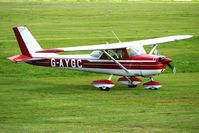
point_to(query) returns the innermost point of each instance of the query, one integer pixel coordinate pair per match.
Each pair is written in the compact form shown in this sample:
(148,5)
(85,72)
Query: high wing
(118,45)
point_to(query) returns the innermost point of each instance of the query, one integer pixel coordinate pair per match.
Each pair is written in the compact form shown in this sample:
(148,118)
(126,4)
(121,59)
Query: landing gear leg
(110,77)
(152,88)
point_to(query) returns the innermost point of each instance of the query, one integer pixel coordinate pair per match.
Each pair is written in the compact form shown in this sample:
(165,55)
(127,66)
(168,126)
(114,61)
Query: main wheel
(105,88)
(132,86)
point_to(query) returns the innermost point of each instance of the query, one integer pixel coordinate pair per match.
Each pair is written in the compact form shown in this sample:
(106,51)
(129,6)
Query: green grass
(61,104)
(37,99)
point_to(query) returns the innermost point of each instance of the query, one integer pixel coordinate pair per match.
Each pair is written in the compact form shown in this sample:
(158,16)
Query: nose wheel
(152,85)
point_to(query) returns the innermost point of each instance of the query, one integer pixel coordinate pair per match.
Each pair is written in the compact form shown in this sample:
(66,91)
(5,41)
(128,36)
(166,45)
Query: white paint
(31,43)
(132,72)
(53,63)
(152,86)
(103,85)
(130,83)
(137,44)
(97,60)
(61,63)
(98,64)
(73,64)
(79,65)
(67,61)
(29,40)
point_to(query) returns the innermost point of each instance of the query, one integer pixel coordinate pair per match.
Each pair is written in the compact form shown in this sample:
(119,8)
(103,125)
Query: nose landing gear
(152,85)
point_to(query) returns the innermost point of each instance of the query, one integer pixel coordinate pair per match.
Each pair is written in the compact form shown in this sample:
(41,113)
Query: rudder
(27,43)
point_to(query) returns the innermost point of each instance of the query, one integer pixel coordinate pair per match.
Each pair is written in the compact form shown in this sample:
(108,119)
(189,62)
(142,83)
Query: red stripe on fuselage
(130,65)
(78,63)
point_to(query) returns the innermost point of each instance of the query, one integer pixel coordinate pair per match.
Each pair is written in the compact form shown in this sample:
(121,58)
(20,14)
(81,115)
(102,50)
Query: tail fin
(27,43)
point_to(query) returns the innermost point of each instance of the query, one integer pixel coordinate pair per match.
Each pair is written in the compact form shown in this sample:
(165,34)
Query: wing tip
(180,37)
(188,36)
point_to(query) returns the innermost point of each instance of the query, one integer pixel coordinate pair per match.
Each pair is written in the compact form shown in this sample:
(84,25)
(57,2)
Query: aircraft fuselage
(136,67)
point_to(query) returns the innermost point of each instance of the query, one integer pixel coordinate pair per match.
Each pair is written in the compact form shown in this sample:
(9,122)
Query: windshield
(133,51)
(96,53)
(117,53)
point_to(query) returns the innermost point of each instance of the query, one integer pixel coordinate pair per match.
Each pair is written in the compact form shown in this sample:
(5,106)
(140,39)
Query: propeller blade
(171,67)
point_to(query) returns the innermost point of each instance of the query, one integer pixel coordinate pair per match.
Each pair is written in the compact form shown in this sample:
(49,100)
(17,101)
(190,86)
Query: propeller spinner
(167,61)
(163,59)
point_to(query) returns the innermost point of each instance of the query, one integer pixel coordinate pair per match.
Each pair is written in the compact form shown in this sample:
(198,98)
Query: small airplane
(126,59)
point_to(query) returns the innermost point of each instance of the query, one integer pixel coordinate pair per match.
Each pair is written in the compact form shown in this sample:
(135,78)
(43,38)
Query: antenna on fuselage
(116,36)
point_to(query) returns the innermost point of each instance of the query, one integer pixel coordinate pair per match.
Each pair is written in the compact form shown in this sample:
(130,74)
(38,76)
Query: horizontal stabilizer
(18,58)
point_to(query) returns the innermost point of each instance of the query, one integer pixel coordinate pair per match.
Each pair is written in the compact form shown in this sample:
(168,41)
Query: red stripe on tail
(22,45)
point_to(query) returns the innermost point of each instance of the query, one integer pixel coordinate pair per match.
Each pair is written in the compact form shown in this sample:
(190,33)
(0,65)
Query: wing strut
(116,36)
(119,64)
(153,49)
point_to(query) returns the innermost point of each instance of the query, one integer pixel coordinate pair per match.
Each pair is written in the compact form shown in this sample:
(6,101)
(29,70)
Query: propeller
(167,61)
(163,59)
(172,67)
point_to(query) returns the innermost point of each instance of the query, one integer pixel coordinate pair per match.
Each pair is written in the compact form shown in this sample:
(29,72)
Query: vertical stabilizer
(27,43)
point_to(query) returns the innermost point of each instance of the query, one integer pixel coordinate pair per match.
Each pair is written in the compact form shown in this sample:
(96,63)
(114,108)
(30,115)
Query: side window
(132,52)
(120,53)
(96,53)
(116,54)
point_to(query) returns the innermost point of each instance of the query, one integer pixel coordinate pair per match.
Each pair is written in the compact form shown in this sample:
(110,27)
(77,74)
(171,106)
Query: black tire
(132,86)
(105,89)
(153,88)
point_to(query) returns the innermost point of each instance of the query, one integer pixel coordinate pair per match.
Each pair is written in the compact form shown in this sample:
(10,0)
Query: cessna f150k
(126,59)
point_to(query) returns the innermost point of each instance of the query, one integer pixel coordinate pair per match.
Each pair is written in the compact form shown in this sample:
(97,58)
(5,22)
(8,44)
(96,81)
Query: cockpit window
(116,53)
(132,51)
(96,53)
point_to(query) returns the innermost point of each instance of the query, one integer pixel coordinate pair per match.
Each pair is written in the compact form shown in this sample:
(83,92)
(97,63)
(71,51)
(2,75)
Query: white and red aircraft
(126,59)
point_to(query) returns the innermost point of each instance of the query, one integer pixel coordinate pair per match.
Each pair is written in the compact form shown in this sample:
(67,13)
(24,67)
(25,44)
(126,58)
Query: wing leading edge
(118,45)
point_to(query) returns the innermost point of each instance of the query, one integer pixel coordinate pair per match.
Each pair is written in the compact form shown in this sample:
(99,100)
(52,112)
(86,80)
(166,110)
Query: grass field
(37,99)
